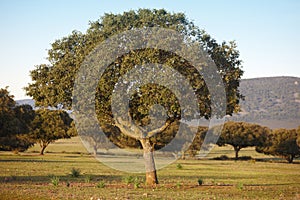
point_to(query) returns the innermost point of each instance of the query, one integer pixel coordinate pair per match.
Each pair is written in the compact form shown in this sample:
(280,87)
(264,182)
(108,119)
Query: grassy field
(31,176)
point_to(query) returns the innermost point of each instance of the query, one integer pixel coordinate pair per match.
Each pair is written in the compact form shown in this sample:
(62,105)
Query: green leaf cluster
(15,123)
(282,142)
(50,125)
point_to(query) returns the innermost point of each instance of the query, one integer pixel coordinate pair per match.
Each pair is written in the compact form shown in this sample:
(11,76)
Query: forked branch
(158,130)
(128,128)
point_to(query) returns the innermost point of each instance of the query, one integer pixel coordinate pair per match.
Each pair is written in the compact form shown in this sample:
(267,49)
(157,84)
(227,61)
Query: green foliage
(72,131)
(281,142)
(179,166)
(237,134)
(101,184)
(75,172)
(200,181)
(93,138)
(242,134)
(55,180)
(178,185)
(53,83)
(50,125)
(88,178)
(222,157)
(136,181)
(197,141)
(239,186)
(128,179)
(15,123)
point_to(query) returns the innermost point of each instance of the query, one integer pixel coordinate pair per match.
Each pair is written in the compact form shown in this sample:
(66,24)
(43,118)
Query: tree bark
(43,145)
(290,158)
(130,129)
(43,149)
(151,176)
(237,149)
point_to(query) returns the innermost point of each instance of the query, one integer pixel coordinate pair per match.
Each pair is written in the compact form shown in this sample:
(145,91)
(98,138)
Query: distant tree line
(279,142)
(21,126)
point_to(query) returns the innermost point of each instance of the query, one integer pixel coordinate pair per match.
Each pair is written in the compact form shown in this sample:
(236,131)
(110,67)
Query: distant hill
(26,101)
(272,102)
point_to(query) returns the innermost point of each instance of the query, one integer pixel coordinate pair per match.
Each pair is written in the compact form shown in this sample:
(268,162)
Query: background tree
(53,83)
(72,131)
(93,139)
(50,125)
(14,123)
(195,147)
(281,142)
(241,135)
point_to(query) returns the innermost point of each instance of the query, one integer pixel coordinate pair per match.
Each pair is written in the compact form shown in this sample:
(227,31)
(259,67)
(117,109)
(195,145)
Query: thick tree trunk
(151,176)
(237,149)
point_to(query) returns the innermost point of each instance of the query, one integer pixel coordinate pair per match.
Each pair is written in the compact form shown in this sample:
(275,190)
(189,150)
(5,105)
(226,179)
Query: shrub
(136,183)
(200,181)
(100,184)
(245,158)
(128,179)
(240,186)
(88,178)
(133,180)
(222,157)
(75,172)
(55,180)
(179,166)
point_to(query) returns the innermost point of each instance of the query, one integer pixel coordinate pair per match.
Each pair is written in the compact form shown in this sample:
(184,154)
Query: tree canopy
(241,135)
(281,142)
(50,125)
(53,83)
(14,123)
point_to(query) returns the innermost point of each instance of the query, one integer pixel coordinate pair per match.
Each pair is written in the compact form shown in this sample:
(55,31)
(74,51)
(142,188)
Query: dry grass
(28,176)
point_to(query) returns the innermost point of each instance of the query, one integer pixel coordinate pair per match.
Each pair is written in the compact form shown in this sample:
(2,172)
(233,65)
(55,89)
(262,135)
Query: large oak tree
(53,83)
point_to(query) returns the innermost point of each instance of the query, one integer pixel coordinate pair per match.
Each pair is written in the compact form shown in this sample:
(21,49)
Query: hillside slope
(272,101)
(26,101)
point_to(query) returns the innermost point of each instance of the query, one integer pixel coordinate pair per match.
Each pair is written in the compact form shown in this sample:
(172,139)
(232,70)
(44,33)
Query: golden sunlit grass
(29,176)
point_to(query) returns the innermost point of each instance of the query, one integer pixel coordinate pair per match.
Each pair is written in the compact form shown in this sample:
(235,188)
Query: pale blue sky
(267,31)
